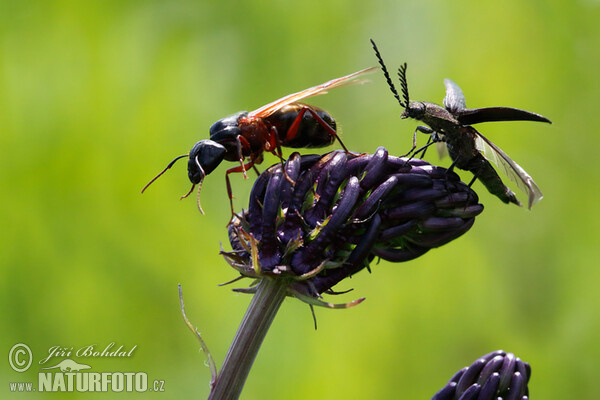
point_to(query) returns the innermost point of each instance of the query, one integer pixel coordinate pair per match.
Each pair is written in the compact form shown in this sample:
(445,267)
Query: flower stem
(265,303)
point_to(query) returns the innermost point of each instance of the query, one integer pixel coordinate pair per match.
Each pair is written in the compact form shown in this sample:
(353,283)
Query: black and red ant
(245,136)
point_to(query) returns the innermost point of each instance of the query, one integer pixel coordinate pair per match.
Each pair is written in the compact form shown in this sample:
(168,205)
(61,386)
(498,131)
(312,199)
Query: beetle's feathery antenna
(402,76)
(163,171)
(389,80)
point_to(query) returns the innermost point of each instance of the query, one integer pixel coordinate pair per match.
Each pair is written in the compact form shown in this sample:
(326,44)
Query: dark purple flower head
(326,217)
(495,376)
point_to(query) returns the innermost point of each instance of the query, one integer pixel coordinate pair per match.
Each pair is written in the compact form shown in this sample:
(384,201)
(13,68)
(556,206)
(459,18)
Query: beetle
(244,136)
(467,147)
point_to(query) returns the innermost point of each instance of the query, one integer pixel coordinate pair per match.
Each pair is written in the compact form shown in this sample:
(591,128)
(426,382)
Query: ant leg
(293,130)
(257,160)
(242,142)
(277,144)
(279,153)
(241,168)
(188,193)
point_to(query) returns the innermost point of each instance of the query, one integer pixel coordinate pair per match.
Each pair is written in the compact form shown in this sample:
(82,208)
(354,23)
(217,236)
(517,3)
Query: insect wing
(271,108)
(491,114)
(442,149)
(513,170)
(455,99)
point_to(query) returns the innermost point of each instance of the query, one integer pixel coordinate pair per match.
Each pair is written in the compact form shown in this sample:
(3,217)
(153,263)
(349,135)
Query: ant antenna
(402,76)
(389,80)
(163,171)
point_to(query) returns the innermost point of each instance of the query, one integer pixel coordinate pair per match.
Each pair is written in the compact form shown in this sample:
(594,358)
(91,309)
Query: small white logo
(20,357)
(71,376)
(68,365)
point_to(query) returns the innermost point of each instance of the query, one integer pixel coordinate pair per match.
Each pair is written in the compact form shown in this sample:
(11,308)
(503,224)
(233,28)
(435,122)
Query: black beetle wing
(510,168)
(489,114)
(455,99)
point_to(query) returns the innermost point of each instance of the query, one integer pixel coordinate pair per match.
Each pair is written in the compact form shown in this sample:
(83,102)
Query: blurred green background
(96,97)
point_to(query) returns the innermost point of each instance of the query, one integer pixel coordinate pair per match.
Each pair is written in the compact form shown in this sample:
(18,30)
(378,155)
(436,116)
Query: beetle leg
(422,149)
(422,129)
(451,167)
(293,130)
(449,171)
(475,176)
(432,139)
(414,144)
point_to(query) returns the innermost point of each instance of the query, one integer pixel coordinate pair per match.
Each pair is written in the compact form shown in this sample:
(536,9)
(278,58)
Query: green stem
(265,303)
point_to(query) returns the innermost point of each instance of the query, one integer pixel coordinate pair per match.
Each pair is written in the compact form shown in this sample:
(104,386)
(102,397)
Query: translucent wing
(442,149)
(509,167)
(455,99)
(270,108)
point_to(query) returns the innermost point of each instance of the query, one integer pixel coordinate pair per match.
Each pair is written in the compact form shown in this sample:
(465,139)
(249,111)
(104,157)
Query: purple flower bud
(495,376)
(319,219)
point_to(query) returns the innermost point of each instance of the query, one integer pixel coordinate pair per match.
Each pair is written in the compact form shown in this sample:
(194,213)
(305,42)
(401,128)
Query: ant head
(205,156)
(402,76)
(227,128)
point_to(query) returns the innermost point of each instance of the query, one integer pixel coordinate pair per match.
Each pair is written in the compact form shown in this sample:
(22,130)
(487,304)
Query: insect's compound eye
(414,110)
(205,156)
